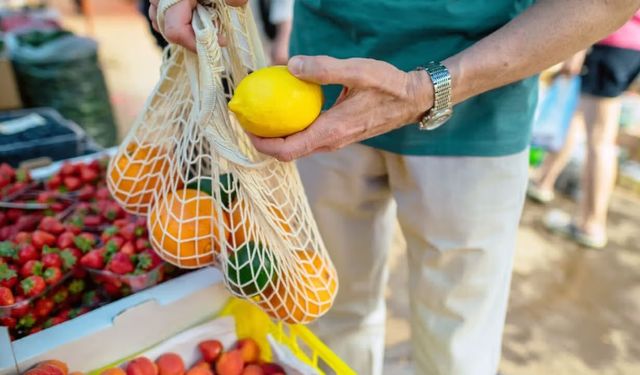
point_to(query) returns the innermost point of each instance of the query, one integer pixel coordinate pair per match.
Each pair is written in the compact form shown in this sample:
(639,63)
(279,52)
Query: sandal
(560,222)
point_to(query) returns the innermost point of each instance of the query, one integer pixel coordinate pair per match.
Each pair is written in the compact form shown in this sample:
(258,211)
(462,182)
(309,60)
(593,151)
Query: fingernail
(295,65)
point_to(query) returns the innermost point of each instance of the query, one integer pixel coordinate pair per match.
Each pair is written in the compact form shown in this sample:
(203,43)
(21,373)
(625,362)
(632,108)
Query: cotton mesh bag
(209,196)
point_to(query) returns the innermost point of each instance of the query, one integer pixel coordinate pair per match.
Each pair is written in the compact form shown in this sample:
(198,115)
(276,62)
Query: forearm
(545,34)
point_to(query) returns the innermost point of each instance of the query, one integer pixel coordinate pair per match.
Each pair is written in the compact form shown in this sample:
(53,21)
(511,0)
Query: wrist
(421,87)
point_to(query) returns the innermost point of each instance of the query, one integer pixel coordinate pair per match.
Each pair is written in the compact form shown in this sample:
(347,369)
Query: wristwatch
(441,111)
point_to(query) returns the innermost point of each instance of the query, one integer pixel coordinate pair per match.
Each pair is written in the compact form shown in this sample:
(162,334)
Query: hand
(376,98)
(177,22)
(573,65)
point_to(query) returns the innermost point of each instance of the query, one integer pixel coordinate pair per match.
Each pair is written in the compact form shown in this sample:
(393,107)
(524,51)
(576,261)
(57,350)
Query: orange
(135,175)
(59,364)
(240,227)
(307,299)
(113,371)
(185,228)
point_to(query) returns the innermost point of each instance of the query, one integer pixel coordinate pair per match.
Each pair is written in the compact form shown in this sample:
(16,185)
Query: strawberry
(74,313)
(27,321)
(93,259)
(145,261)
(32,285)
(77,286)
(52,275)
(8,250)
(90,298)
(67,169)
(7,171)
(86,193)
(103,194)
(121,222)
(6,296)
(73,227)
(140,221)
(128,248)
(41,238)
(51,225)
(27,223)
(84,242)
(26,253)
(23,237)
(3,219)
(52,259)
(111,289)
(61,295)
(72,183)
(120,264)
(65,240)
(35,330)
(128,232)
(47,197)
(116,241)
(13,214)
(141,244)
(64,315)
(32,267)
(108,233)
(88,175)
(54,182)
(8,276)
(92,220)
(8,322)
(70,258)
(21,307)
(43,308)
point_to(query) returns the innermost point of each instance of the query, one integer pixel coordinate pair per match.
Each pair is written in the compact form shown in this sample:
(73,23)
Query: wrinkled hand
(177,22)
(376,98)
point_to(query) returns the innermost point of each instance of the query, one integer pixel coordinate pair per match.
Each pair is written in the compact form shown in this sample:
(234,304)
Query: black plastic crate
(57,139)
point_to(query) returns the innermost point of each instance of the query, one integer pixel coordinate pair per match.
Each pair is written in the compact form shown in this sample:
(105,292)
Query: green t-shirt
(410,33)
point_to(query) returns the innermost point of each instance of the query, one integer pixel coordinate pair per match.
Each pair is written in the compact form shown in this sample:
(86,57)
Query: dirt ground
(572,311)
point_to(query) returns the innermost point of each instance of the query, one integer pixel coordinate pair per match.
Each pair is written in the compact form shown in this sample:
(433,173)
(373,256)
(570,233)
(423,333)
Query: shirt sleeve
(281,11)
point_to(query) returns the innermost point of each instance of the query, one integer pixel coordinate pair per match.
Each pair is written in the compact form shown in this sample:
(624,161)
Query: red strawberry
(32,286)
(51,225)
(13,214)
(121,264)
(41,238)
(92,220)
(64,314)
(87,192)
(121,222)
(8,322)
(111,289)
(141,244)
(32,267)
(43,308)
(8,276)
(65,240)
(77,286)
(35,330)
(103,194)
(52,275)
(3,218)
(8,250)
(52,260)
(54,182)
(61,295)
(70,258)
(68,169)
(84,242)
(73,227)
(93,259)
(23,237)
(88,175)
(21,308)
(27,321)
(46,197)
(72,183)
(128,232)
(128,248)
(6,297)
(108,233)
(26,253)
(52,322)
(27,223)
(147,260)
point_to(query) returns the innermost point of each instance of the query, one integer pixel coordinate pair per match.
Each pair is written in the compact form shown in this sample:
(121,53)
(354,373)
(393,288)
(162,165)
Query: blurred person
(610,68)
(457,188)
(275,16)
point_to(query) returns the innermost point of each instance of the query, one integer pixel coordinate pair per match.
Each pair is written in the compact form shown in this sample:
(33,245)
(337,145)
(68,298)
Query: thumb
(327,70)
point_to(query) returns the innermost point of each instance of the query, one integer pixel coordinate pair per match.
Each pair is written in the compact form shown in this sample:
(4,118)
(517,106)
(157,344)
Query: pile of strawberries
(12,181)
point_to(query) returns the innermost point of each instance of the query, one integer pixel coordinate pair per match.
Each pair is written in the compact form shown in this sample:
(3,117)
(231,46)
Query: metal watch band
(441,110)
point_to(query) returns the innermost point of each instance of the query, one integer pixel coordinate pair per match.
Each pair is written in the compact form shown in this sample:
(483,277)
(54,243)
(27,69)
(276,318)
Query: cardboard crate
(121,328)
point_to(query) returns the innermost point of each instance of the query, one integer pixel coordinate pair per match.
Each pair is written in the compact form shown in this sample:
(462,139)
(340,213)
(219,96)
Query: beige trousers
(459,216)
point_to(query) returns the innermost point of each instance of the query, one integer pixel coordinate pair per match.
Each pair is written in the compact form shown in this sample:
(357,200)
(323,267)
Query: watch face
(438,118)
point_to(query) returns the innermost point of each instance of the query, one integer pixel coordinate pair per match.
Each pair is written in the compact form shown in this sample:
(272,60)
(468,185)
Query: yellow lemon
(271,102)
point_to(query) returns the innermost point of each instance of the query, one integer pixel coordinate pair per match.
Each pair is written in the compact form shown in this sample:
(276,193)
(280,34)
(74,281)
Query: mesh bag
(209,196)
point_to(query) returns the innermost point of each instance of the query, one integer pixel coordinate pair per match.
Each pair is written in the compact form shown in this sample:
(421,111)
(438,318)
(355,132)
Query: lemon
(271,102)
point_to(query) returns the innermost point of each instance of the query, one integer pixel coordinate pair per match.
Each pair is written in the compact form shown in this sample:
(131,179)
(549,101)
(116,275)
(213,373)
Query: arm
(281,15)
(381,98)
(548,32)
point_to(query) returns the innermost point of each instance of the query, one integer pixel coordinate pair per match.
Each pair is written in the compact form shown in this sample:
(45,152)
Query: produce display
(210,197)
(243,358)
(67,247)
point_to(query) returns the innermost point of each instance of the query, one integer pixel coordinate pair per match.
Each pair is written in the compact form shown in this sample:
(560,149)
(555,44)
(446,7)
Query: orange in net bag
(209,196)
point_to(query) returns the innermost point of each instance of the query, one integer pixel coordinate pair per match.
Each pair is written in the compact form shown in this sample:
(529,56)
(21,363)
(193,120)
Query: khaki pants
(459,216)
